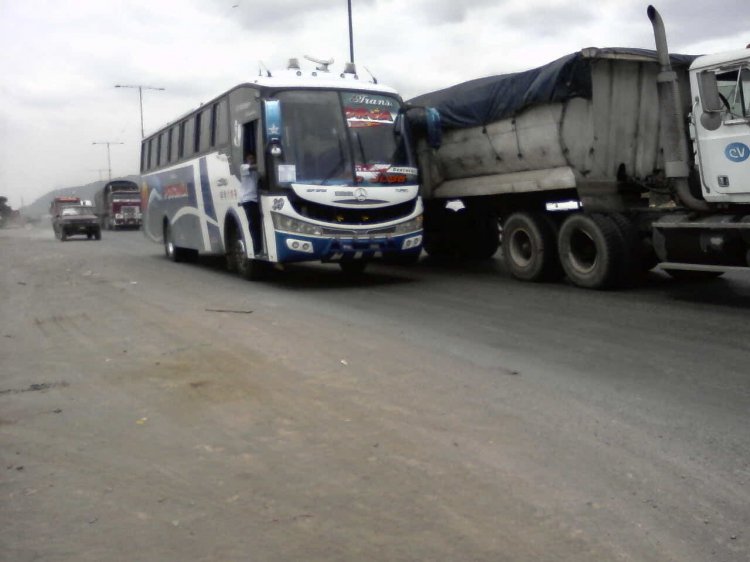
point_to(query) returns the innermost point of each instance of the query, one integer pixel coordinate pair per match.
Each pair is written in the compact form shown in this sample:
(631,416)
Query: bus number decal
(278,204)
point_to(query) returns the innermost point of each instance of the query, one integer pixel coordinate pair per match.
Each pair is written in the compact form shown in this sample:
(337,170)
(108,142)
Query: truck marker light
(563,206)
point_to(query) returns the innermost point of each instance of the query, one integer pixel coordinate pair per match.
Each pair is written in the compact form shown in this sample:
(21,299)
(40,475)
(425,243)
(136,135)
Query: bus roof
(290,79)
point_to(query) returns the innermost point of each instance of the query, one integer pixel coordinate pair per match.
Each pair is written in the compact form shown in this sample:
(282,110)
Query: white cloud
(61,59)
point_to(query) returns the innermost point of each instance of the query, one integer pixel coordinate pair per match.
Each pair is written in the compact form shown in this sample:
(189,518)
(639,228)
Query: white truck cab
(720,85)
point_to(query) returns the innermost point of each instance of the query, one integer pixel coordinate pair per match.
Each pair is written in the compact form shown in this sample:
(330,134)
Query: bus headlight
(289,224)
(409,226)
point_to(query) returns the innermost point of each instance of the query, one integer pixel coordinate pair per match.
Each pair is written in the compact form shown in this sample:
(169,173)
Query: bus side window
(174,135)
(189,138)
(205,130)
(143,157)
(221,124)
(181,140)
(151,154)
(197,133)
(162,161)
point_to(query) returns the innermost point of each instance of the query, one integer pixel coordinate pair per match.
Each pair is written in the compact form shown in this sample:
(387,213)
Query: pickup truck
(76,220)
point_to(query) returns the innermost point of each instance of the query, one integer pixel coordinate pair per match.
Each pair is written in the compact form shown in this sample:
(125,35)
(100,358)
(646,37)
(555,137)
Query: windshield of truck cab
(72,211)
(734,89)
(344,138)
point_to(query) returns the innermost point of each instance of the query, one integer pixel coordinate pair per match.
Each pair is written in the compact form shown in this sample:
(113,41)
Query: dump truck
(118,205)
(597,166)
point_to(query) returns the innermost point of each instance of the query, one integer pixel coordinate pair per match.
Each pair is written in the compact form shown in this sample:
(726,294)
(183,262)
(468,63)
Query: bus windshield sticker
(369,110)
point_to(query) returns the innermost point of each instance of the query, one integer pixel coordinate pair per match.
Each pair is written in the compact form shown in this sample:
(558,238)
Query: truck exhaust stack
(676,156)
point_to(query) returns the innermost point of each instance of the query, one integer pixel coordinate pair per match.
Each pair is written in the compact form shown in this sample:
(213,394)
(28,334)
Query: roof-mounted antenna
(263,66)
(324,64)
(374,80)
(350,68)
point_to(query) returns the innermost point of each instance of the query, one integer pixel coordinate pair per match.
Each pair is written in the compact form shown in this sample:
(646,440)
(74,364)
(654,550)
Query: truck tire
(98,234)
(530,248)
(590,250)
(631,265)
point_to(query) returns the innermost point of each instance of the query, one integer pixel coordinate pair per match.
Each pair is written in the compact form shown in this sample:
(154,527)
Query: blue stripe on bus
(214,235)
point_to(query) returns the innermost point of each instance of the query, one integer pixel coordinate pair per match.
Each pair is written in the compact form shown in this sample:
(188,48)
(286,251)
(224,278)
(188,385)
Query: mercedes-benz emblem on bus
(360,194)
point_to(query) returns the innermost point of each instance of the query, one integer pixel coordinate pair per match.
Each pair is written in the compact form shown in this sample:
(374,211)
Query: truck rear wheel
(631,265)
(530,247)
(590,250)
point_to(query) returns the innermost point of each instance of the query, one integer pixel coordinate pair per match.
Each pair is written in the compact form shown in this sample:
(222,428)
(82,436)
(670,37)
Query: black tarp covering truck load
(484,100)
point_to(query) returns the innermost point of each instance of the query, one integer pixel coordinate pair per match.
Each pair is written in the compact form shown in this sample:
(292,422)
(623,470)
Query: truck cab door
(722,132)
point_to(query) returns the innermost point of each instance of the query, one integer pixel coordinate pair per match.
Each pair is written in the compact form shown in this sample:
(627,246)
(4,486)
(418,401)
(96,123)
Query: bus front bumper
(292,247)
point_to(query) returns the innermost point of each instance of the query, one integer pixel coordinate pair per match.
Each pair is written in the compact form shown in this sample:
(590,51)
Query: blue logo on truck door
(737,152)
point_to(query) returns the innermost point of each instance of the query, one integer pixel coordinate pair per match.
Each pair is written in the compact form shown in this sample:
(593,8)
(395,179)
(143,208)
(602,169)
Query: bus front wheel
(237,260)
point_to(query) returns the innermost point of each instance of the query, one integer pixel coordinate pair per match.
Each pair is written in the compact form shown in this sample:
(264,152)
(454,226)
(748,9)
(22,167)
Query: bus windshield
(344,138)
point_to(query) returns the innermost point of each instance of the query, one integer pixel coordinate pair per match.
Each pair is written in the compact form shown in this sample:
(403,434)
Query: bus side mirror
(426,122)
(710,100)
(272,114)
(398,127)
(434,130)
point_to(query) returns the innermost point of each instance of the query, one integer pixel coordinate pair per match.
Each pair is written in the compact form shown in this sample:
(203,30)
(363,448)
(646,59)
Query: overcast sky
(60,60)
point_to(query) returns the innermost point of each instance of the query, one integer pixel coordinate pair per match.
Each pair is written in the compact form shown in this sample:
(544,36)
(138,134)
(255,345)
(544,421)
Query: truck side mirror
(709,92)
(710,100)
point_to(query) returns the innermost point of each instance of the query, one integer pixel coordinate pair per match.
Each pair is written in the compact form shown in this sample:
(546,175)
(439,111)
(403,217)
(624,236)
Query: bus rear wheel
(174,253)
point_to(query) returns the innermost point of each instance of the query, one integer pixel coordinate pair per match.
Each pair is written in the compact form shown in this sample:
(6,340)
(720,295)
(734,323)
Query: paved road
(159,411)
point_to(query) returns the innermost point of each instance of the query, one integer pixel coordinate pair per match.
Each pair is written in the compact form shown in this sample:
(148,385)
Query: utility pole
(351,33)
(140,89)
(109,160)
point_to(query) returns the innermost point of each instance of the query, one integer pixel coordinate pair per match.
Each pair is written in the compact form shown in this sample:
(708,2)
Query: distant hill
(40,207)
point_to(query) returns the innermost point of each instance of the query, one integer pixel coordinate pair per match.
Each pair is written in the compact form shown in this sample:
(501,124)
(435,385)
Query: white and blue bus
(339,180)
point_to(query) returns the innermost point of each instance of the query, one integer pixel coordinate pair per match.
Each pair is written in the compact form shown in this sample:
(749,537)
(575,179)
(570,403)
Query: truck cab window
(734,89)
